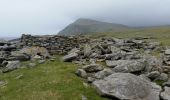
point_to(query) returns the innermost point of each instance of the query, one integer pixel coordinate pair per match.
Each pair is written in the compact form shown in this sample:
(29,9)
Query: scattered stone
(167,52)
(83,97)
(126,86)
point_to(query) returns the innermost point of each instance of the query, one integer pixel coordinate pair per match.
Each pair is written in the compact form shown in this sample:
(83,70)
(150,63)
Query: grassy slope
(49,81)
(161,34)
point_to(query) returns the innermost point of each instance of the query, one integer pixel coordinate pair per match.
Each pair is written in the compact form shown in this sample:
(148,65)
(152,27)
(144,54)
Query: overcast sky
(50,16)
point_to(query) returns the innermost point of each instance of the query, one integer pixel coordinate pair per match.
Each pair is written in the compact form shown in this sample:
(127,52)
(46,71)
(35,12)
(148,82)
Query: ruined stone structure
(53,43)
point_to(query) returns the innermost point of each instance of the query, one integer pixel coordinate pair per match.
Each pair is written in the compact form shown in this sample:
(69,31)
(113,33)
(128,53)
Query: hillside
(84,26)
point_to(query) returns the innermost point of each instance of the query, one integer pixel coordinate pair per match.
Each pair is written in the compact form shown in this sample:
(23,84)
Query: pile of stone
(53,43)
(11,55)
(124,69)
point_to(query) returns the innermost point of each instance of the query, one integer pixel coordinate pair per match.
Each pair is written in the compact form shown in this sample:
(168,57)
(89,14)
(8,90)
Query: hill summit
(84,26)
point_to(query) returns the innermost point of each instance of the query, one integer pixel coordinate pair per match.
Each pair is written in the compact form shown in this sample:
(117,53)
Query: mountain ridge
(84,26)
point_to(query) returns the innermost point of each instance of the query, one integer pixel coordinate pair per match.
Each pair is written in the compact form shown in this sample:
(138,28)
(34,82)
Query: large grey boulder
(70,57)
(165,95)
(10,66)
(93,68)
(126,86)
(16,55)
(128,66)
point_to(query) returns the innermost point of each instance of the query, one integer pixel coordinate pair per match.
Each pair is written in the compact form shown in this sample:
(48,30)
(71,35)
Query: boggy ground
(54,80)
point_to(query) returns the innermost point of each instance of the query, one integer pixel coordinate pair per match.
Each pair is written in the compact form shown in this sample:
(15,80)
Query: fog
(50,16)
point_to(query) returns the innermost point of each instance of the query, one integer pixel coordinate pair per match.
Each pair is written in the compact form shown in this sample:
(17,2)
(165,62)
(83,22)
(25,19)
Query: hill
(84,26)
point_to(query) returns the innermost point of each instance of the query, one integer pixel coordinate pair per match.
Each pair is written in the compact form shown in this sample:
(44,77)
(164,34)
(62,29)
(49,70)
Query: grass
(161,34)
(50,81)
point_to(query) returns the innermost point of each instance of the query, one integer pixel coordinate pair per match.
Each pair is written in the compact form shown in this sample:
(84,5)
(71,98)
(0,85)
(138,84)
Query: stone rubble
(123,69)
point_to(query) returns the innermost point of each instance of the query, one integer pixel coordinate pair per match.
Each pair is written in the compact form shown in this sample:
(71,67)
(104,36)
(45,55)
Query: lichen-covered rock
(126,86)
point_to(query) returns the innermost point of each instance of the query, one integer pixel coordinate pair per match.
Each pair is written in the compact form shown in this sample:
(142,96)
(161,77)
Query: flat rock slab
(70,57)
(126,86)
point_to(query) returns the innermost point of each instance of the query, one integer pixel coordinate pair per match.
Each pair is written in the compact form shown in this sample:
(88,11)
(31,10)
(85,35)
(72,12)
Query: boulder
(130,66)
(35,50)
(70,57)
(16,55)
(92,68)
(165,95)
(10,66)
(126,86)
(112,64)
(81,73)
(153,75)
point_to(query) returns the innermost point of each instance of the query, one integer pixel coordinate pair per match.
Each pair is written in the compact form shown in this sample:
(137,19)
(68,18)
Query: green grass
(50,81)
(161,34)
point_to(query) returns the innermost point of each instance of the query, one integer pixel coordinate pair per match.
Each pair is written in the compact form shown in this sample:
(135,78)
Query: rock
(126,86)
(90,79)
(153,75)
(162,77)
(81,73)
(166,83)
(93,68)
(41,61)
(104,73)
(167,52)
(152,63)
(36,57)
(130,66)
(16,55)
(33,51)
(113,64)
(74,50)
(70,57)
(87,50)
(11,65)
(165,95)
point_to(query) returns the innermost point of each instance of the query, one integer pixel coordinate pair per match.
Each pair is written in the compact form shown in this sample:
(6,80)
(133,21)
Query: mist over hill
(84,26)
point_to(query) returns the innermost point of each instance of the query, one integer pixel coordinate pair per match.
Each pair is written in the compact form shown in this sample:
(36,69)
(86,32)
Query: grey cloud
(50,16)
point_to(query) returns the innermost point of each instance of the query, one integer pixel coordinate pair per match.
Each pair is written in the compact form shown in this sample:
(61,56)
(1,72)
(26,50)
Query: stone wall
(55,44)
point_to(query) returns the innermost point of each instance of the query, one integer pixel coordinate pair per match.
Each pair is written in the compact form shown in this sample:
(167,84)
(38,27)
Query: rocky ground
(119,69)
